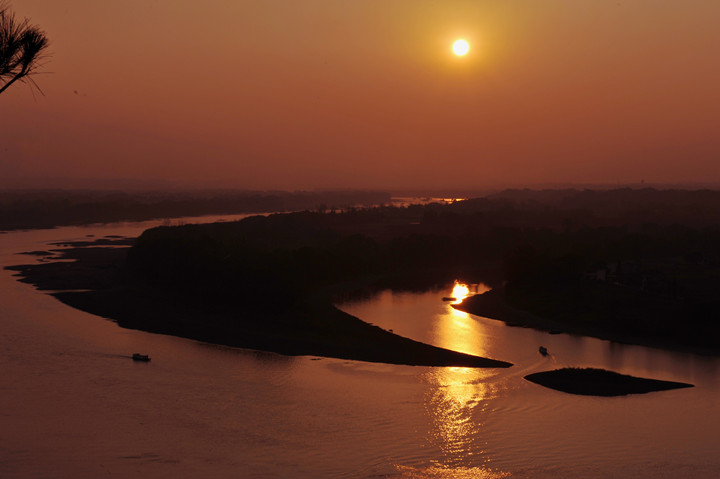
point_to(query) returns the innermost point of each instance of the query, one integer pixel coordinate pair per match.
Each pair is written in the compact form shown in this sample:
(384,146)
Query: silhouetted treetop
(22,46)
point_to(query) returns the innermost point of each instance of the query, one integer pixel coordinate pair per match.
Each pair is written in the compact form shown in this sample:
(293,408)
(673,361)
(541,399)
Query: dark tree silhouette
(22,46)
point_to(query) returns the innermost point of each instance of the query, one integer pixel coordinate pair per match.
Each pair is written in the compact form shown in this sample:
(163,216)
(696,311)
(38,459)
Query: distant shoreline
(40,209)
(318,329)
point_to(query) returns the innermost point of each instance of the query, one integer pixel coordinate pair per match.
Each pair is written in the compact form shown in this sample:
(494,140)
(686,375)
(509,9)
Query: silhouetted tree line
(662,277)
(48,208)
(626,206)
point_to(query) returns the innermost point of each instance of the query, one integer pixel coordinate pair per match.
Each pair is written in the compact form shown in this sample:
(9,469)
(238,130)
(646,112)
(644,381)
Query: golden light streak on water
(450,472)
(455,407)
(455,404)
(456,330)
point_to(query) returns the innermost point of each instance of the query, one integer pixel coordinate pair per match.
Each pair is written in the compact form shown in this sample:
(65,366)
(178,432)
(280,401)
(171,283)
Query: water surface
(73,403)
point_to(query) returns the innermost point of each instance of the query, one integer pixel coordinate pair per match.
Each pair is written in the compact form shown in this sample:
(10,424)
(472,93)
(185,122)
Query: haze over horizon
(333,94)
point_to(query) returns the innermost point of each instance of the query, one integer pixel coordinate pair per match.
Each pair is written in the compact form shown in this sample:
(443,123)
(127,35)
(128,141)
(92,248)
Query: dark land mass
(599,382)
(31,209)
(98,284)
(634,266)
(639,266)
(654,323)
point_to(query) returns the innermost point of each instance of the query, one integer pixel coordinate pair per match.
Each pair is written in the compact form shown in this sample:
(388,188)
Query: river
(74,405)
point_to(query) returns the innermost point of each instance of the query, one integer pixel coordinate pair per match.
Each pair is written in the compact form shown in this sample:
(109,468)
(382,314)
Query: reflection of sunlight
(459,314)
(459,400)
(460,292)
(455,329)
(456,407)
(443,472)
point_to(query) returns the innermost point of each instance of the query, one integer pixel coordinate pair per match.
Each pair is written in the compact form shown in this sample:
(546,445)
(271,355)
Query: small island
(600,382)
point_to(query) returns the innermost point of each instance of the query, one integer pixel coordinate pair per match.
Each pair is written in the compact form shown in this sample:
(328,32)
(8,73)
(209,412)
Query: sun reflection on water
(459,400)
(450,472)
(460,291)
(456,330)
(456,408)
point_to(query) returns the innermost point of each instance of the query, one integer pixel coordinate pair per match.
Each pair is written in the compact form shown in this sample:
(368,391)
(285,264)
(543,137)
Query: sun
(461,47)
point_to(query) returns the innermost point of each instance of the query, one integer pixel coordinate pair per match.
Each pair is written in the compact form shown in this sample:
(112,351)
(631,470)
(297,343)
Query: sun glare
(460,47)
(460,292)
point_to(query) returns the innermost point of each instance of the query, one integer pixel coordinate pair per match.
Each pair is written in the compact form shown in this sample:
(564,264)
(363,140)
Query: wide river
(74,405)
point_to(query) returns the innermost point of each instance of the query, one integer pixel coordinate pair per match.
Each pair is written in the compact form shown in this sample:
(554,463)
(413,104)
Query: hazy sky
(297,94)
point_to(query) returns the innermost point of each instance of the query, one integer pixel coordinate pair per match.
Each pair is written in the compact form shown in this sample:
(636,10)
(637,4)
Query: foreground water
(73,404)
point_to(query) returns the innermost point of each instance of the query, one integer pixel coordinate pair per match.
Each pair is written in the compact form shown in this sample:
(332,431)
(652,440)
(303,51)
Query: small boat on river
(141,357)
(449,298)
(543,350)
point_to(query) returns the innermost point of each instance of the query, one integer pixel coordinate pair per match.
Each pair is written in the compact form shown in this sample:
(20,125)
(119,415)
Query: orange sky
(363,93)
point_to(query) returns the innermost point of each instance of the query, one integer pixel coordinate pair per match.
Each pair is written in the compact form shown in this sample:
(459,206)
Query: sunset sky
(291,94)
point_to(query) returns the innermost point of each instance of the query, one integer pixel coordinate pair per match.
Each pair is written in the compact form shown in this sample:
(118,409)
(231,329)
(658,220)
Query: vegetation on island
(600,382)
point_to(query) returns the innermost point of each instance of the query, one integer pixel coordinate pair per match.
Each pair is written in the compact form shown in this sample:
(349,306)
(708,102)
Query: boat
(543,350)
(140,357)
(449,298)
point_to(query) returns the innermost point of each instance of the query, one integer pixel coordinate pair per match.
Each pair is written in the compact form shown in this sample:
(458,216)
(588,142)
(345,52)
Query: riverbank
(97,282)
(494,305)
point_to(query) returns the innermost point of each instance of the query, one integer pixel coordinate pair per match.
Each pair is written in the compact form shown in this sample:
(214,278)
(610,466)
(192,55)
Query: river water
(74,405)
